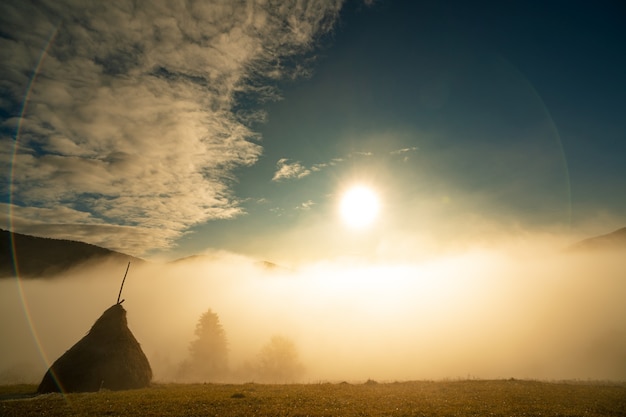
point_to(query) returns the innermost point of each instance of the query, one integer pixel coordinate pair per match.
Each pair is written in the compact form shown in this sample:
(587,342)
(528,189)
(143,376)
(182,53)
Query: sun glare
(359,207)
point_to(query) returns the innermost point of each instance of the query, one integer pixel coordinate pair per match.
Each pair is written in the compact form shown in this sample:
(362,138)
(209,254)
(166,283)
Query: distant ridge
(611,241)
(43,257)
(204,257)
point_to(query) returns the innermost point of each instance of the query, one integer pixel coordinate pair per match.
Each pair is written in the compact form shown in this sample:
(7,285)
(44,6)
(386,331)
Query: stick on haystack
(122,286)
(108,357)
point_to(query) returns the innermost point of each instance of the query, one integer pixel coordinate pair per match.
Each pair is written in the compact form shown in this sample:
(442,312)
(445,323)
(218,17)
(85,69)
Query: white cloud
(296,170)
(306,205)
(278,211)
(130,121)
(323,165)
(404,150)
(67,223)
(289,170)
(361,153)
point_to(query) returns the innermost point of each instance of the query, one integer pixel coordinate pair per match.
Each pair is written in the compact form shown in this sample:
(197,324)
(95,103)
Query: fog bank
(482,313)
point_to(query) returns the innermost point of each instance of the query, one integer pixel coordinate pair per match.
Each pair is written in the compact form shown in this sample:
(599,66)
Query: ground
(421,398)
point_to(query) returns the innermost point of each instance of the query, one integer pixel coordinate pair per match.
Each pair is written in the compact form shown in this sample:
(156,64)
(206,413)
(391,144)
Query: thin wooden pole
(122,286)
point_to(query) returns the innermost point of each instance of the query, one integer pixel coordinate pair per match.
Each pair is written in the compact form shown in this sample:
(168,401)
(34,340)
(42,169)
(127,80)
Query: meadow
(420,398)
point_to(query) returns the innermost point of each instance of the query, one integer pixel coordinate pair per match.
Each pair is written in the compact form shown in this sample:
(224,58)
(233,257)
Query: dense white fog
(479,313)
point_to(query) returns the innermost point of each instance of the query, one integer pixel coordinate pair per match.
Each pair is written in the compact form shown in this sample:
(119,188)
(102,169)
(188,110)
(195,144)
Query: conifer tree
(208,353)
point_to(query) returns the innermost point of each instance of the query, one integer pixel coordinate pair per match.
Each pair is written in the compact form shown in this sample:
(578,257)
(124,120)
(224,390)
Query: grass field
(443,398)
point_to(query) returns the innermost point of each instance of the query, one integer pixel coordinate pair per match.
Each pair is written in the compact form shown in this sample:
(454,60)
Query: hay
(108,357)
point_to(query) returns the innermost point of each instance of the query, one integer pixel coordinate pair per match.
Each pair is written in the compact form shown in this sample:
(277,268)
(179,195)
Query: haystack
(108,357)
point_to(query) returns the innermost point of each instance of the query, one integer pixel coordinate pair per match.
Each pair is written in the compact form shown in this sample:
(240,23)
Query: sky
(184,127)
(491,132)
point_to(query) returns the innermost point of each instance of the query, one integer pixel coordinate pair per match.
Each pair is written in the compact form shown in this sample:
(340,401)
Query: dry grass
(445,398)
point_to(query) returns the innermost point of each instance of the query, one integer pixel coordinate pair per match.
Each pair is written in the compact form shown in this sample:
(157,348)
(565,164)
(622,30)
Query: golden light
(359,207)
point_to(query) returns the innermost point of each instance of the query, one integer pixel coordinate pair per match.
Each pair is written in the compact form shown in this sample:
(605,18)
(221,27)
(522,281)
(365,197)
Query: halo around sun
(359,207)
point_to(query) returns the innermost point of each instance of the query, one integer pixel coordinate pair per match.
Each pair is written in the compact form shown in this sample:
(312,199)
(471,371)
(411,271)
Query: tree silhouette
(278,361)
(208,353)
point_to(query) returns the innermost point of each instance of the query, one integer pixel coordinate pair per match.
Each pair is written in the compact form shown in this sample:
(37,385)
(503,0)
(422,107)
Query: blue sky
(236,126)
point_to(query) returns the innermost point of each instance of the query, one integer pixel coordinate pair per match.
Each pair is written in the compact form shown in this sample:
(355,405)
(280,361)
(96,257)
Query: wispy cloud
(306,205)
(289,170)
(404,152)
(285,169)
(333,162)
(278,211)
(130,121)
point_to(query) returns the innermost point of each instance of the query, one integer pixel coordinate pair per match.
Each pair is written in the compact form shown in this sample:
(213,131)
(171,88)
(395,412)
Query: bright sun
(359,207)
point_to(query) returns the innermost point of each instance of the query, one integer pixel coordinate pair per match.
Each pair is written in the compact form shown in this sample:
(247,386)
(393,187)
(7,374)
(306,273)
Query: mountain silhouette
(611,241)
(267,265)
(43,257)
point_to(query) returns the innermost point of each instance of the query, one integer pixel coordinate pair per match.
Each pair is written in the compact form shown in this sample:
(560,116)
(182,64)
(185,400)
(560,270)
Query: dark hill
(208,258)
(611,241)
(41,257)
